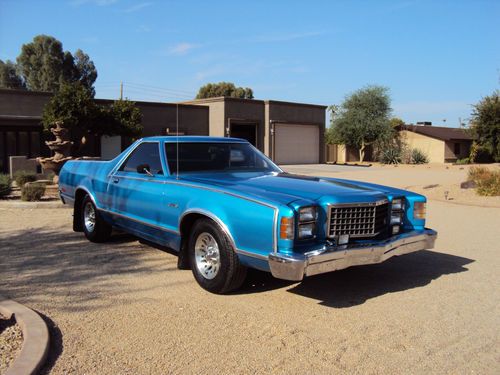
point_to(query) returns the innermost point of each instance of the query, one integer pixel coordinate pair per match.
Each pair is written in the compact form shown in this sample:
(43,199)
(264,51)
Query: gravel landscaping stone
(11,341)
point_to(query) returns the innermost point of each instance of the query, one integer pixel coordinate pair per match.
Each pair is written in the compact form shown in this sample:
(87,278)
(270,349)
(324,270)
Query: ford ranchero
(223,206)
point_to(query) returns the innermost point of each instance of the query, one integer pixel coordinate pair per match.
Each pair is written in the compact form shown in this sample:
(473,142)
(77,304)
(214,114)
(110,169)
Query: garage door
(296,144)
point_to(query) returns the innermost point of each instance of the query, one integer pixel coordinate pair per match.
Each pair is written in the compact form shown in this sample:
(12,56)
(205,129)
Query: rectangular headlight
(395,218)
(307,214)
(419,210)
(306,230)
(397,204)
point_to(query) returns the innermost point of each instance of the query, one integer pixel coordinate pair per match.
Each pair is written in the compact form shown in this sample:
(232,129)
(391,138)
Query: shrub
(479,154)
(21,177)
(390,156)
(5,185)
(487,181)
(418,157)
(463,161)
(32,192)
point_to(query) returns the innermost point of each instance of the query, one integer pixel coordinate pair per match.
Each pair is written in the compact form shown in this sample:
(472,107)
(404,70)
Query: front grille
(358,220)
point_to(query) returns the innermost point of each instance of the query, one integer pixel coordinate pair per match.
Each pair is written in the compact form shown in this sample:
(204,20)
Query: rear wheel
(94,226)
(214,263)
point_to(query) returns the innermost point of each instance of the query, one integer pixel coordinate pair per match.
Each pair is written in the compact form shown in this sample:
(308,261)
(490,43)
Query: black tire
(100,231)
(230,274)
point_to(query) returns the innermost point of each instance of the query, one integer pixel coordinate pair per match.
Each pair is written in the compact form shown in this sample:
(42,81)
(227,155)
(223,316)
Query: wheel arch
(80,194)
(186,222)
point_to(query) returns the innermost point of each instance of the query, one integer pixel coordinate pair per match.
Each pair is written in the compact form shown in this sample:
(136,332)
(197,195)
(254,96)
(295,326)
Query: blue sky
(437,57)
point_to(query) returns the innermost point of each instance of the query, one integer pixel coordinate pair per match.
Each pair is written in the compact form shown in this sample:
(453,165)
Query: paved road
(124,308)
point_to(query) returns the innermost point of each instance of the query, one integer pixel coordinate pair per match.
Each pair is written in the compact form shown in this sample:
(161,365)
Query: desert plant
(463,161)
(390,156)
(5,185)
(21,177)
(418,157)
(32,192)
(487,181)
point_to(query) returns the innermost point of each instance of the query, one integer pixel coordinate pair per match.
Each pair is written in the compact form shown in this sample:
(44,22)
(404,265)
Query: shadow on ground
(62,265)
(353,286)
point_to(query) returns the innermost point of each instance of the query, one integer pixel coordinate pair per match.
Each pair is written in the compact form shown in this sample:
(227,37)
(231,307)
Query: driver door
(136,193)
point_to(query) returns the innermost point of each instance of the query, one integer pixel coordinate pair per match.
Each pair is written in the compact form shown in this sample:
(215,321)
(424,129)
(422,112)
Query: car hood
(286,188)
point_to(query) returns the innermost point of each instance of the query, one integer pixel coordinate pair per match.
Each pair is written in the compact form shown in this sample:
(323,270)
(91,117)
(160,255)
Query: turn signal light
(286,228)
(419,210)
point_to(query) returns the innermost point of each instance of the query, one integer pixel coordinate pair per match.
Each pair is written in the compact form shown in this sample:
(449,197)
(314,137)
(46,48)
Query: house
(290,133)
(439,143)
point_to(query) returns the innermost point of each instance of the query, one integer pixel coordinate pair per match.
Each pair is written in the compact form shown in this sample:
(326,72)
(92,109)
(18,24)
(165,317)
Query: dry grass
(487,181)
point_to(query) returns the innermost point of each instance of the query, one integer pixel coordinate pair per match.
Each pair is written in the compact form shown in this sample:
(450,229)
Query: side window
(146,155)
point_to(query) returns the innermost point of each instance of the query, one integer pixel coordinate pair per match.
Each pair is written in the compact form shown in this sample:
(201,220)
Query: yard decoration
(61,147)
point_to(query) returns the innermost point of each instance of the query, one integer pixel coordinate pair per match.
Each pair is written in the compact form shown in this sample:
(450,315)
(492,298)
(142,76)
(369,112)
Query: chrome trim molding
(333,258)
(114,213)
(210,215)
(252,255)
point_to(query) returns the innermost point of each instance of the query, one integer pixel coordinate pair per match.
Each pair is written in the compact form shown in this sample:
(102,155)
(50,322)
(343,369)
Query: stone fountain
(61,148)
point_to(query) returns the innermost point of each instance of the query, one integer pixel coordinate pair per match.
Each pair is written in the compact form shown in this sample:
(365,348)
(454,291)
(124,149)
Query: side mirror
(144,169)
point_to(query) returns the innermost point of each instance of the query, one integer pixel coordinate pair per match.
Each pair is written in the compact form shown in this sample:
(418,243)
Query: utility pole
(121,90)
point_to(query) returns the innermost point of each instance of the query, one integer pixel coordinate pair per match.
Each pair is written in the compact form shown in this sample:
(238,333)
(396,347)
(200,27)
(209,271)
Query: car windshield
(214,157)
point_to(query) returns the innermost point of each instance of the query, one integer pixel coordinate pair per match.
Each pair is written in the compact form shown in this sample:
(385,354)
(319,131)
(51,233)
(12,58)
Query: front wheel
(94,226)
(214,263)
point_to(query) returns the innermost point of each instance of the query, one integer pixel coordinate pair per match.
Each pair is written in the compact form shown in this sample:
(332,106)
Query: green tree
(44,65)
(74,105)
(363,118)
(227,89)
(396,121)
(485,124)
(8,76)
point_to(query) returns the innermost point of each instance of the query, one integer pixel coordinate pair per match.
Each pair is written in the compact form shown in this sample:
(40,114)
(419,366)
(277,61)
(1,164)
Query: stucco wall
(433,148)
(22,103)
(295,113)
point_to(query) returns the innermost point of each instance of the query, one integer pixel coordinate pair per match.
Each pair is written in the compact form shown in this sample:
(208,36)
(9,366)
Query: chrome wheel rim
(89,217)
(207,255)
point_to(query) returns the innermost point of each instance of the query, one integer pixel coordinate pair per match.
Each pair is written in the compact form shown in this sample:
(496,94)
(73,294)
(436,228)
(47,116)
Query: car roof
(194,139)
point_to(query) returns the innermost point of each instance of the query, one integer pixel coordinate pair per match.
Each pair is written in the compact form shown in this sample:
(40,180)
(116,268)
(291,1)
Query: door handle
(116,180)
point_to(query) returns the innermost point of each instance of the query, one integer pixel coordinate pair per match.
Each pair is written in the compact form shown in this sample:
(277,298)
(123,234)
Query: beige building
(290,133)
(440,144)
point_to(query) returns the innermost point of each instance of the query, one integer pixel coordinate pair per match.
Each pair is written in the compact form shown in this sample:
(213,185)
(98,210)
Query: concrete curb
(17,204)
(35,338)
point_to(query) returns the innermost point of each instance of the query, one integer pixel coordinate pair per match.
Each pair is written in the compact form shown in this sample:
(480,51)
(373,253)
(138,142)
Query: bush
(32,192)
(479,154)
(487,181)
(418,157)
(21,177)
(463,161)
(390,156)
(5,185)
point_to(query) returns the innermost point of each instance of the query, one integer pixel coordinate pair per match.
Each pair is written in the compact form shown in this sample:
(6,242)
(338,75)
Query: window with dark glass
(146,155)
(205,157)
(457,148)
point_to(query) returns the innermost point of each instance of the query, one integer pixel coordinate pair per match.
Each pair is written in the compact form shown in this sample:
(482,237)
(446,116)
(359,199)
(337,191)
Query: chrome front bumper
(333,258)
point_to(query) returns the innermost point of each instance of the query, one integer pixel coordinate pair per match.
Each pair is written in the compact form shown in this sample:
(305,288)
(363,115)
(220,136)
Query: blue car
(224,207)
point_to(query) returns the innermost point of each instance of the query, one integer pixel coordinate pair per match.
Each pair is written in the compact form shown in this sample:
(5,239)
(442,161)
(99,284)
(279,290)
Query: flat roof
(231,99)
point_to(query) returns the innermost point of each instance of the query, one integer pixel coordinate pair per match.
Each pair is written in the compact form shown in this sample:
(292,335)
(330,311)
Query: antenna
(177,139)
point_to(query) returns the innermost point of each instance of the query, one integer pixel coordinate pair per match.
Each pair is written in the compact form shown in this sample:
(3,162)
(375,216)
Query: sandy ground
(124,308)
(11,340)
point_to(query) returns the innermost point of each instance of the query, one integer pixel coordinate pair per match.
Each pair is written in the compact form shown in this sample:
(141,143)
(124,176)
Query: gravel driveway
(124,308)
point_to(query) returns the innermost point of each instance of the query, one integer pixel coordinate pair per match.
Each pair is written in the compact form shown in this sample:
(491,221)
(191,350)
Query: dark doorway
(245,130)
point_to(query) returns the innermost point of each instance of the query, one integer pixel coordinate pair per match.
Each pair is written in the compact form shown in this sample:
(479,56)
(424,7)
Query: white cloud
(181,49)
(136,7)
